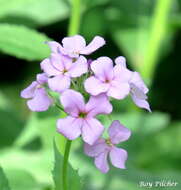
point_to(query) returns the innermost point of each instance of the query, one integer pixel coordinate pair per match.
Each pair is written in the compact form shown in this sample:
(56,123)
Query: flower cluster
(76,79)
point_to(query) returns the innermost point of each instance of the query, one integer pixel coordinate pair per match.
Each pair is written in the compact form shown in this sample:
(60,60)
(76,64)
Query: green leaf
(36,163)
(10,126)
(33,12)
(73,177)
(93,23)
(4,185)
(23,42)
(21,180)
(133,43)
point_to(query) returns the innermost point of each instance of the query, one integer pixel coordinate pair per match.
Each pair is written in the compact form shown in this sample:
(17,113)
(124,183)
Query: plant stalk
(73,29)
(157,35)
(65,164)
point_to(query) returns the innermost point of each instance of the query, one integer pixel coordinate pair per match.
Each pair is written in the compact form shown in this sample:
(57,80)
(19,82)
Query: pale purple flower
(60,69)
(138,89)
(39,99)
(104,147)
(108,79)
(81,119)
(76,45)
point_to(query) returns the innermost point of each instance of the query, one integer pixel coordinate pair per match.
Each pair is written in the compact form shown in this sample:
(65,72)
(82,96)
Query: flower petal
(118,89)
(57,62)
(118,157)
(73,102)
(94,150)
(122,73)
(69,127)
(91,130)
(95,44)
(137,81)
(121,60)
(48,68)
(42,78)
(101,162)
(73,45)
(98,105)
(40,102)
(59,83)
(141,103)
(54,46)
(118,133)
(94,86)
(103,68)
(137,92)
(79,67)
(29,91)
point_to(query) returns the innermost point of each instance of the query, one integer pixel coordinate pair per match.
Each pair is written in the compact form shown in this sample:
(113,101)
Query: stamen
(108,142)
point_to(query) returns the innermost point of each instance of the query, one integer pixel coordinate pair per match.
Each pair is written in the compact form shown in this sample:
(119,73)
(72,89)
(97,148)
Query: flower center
(108,142)
(64,71)
(74,60)
(82,114)
(107,81)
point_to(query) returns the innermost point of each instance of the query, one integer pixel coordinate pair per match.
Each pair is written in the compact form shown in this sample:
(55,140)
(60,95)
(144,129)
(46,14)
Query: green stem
(75,17)
(158,32)
(72,30)
(65,164)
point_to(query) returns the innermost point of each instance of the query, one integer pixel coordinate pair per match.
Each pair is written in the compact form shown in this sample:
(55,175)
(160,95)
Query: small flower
(107,79)
(39,99)
(60,69)
(104,147)
(75,45)
(138,89)
(81,119)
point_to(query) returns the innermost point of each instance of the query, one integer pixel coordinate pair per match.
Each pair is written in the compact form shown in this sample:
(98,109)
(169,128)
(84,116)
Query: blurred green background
(148,34)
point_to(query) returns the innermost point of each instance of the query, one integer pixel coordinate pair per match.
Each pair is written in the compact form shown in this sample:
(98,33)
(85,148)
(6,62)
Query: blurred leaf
(10,126)
(33,12)
(41,125)
(23,42)
(29,133)
(133,42)
(166,152)
(4,102)
(36,163)
(93,23)
(21,180)
(4,185)
(94,3)
(72,175)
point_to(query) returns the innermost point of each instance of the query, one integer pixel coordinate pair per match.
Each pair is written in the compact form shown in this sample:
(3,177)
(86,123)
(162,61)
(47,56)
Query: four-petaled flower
(104,147)
(76,45)
(138,89)
(81,119)
(107,79)
(39,99)
(61,69)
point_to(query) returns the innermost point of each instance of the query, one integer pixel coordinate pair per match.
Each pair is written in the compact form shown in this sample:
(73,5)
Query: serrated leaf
(22,42)
(72,175)
(4,185)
